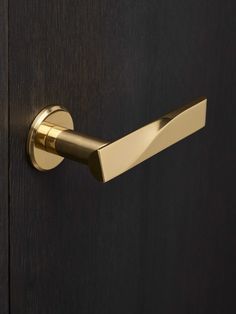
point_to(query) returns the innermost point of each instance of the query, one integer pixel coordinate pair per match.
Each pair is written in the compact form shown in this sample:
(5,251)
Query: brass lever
(51,138)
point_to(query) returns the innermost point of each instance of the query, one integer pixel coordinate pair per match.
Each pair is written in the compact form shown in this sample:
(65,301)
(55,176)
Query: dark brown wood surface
(4,300)
(161,238)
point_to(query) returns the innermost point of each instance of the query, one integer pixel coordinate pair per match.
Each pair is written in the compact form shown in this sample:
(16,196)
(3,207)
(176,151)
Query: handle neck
(67,143)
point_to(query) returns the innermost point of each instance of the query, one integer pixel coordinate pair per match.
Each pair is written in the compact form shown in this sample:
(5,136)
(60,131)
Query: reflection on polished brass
(51,138)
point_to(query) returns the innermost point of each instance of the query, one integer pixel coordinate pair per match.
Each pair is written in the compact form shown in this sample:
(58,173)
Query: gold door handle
(51,138)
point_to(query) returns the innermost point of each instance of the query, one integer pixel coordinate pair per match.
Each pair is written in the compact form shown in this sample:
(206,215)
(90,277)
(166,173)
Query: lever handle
(51,138)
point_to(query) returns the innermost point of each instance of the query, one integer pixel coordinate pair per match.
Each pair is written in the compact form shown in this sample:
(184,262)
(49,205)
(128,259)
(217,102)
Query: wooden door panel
(160,238)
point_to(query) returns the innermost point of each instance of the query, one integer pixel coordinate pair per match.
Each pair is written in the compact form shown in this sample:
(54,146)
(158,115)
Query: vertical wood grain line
(4,231)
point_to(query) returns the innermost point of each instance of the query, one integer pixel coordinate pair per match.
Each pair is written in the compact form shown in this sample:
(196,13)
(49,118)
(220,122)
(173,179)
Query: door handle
(51,138)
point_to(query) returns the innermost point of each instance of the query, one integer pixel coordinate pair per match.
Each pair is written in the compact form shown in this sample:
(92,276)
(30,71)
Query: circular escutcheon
(39,158)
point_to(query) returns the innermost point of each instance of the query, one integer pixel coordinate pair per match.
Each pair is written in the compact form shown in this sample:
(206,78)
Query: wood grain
(160,238)
(4,157)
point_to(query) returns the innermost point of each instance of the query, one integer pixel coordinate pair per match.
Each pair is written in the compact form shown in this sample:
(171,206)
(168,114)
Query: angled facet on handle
(115,158)
(52,138)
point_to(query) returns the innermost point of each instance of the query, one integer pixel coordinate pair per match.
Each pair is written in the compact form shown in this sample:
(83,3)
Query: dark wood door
(160,238)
